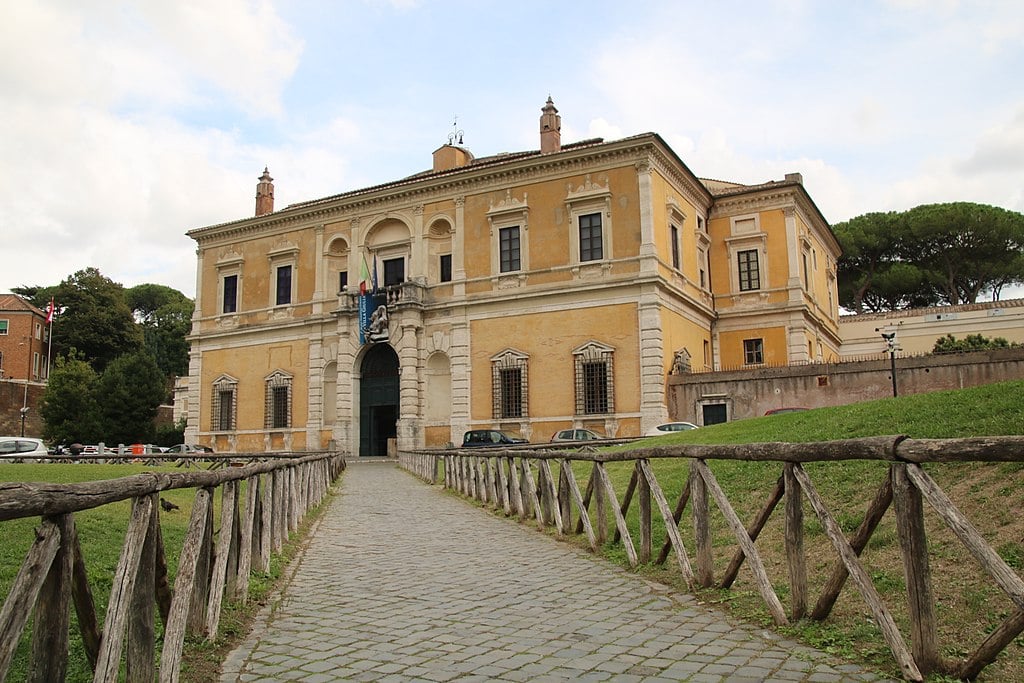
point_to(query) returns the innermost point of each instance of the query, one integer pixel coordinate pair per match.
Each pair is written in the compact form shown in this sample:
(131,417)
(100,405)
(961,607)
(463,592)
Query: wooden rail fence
(541,484)
(211,568)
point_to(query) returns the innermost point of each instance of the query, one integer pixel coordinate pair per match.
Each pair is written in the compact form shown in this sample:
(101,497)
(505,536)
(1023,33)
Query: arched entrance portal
(378,400)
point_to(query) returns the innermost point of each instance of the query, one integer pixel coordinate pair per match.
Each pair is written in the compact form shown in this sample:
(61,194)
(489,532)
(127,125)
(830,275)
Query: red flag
(49,312)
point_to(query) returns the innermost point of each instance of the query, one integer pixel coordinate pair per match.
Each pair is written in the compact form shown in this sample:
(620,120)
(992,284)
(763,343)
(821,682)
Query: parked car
(575,435)
(670,428)
(21,447)
(189,448)
(476,438)
(778,411)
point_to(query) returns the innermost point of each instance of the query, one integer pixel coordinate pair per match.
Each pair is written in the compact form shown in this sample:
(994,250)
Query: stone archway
(378,400)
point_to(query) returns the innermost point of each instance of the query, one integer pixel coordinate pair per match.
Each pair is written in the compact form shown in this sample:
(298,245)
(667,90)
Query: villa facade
(528,292)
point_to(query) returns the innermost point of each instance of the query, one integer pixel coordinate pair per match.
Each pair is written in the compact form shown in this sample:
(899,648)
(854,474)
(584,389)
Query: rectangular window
(4,324)
(595,388)
(39,331)
(284,285)
(511,393)
(508,386)
(446,267)
(394,271)
(591,246)
(224,410)
(279,405)
(35,364)
(278,402)
(750,273)
(230,294)
(674,237)
(343,281)
(753,351)
(508,241)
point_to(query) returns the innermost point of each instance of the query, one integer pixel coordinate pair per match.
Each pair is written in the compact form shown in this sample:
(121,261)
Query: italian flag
(364,276)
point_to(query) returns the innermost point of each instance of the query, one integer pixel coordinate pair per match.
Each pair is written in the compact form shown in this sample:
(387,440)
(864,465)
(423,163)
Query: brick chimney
(265,194)
(550,128)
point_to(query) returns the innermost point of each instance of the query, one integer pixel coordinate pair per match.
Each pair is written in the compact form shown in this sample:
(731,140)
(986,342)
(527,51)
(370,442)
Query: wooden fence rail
(541,484)
(278,493)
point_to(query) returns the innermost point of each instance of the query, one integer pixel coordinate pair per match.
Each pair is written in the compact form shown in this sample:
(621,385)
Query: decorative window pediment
(229,258)
(283,249)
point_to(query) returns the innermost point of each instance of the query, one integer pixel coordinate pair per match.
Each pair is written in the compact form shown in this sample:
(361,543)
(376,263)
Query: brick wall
(749,393)
(12,395)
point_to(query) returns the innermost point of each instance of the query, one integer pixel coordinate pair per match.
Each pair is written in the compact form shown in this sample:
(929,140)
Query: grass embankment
(101,534)
(968,605)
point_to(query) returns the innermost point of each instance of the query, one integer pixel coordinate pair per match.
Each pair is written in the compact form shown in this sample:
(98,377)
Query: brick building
(24,336)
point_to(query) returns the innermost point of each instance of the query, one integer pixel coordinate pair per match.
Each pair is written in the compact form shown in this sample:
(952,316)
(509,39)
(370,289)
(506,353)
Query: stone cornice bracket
(460,201)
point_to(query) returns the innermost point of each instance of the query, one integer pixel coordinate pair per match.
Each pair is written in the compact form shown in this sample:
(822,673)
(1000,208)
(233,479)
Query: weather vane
(456,134)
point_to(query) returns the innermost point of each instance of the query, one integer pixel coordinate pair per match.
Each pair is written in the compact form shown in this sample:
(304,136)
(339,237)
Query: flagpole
(49,346)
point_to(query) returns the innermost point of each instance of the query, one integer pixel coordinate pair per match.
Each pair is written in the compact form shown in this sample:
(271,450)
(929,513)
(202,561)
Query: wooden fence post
(794,533)
(701,528)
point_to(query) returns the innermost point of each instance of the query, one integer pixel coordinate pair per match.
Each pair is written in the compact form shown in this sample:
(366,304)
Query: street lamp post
(890,341)
(24,414)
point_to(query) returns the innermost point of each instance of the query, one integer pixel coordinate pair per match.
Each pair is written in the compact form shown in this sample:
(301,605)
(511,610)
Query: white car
(12,447)
(670,428)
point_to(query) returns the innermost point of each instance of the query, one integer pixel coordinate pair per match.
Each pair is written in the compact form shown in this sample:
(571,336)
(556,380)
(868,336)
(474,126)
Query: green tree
(94,318)
(128,393)
(930,255)
(68,407)
(965,248)
(37,295)
(165,315)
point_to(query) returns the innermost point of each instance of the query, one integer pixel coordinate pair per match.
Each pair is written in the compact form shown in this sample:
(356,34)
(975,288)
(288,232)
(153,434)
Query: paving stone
(400,581)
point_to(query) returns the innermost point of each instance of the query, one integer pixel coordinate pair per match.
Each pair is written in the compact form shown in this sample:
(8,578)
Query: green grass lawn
(101,534)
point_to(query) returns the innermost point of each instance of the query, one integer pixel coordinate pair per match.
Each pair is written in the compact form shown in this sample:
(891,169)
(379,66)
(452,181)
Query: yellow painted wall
(549,226)
(774,346)
(548,338)
(251,366)
(679,332)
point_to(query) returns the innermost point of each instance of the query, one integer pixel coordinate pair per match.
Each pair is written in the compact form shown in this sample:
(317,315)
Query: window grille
(591,248)
(595,394)
(224,404)
(509,386)
(749,270)
(278,408)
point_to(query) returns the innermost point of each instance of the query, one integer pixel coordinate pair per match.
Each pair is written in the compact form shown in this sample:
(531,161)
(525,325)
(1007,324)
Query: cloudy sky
(125,124)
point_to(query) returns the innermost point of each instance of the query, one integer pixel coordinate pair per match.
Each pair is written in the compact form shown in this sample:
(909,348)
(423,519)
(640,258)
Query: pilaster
(653,409)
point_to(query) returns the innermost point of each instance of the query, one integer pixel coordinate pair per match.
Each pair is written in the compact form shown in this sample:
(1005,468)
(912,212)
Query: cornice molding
(414,191)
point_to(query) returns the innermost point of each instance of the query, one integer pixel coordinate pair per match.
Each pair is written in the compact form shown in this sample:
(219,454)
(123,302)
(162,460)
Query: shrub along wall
(749,393)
